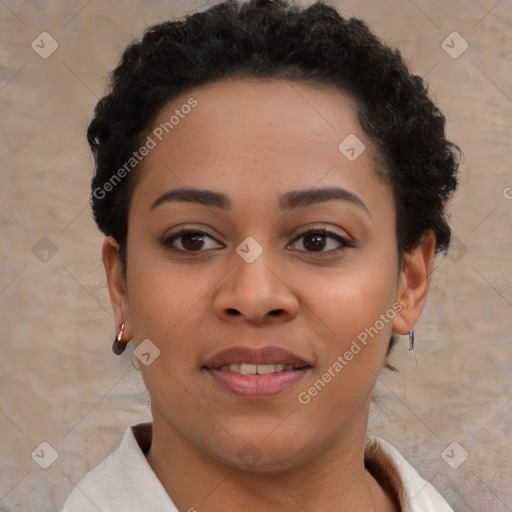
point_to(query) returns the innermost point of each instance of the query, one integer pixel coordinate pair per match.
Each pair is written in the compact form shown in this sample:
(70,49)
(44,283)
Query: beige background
(59,380)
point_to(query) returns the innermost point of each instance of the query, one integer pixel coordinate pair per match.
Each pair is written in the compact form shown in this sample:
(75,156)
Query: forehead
(260,137)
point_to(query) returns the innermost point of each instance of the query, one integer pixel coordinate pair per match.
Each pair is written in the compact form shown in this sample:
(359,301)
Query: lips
(256,373)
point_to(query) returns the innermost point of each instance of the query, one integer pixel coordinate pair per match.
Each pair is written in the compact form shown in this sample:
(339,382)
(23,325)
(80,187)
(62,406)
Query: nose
(256,292)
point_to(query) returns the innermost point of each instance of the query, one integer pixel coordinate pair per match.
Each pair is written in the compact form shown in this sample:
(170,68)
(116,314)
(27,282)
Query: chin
(258,454)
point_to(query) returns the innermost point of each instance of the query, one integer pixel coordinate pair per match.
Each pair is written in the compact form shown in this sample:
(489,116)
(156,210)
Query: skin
(255,140)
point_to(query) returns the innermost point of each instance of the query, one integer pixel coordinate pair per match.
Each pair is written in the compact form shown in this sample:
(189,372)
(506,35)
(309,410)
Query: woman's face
(255,287)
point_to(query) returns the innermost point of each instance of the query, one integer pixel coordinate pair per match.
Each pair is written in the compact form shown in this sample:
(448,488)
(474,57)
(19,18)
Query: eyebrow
(288,201)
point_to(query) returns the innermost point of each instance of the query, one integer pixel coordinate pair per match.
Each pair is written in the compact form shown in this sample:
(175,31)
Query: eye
(190,240)
(317,240)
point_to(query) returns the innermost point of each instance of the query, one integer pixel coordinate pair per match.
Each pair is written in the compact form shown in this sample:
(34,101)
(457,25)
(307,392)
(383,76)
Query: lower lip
(257,386)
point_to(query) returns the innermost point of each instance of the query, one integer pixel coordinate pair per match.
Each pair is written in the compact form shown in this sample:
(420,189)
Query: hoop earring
(119,346)
(411,339)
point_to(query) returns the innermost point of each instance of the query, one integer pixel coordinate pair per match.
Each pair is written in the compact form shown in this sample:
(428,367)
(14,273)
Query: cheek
(353,321)
(353,350)
(162,295)
(346,305)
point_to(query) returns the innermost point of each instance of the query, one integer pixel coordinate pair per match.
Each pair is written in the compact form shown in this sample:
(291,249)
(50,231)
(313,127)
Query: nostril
(235,312)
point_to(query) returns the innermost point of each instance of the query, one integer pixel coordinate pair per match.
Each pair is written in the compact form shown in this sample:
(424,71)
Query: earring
(411,339)
(119,346)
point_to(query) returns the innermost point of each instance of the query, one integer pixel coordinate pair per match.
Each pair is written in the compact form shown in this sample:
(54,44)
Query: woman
(272,184)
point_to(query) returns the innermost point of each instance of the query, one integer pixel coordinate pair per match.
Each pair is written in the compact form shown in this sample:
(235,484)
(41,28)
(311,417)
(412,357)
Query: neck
(331,481)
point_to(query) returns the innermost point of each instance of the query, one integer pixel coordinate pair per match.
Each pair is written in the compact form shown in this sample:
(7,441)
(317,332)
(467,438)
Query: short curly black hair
(279,39)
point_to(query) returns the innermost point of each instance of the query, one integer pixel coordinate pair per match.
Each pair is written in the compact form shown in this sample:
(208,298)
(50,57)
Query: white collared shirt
(125,482)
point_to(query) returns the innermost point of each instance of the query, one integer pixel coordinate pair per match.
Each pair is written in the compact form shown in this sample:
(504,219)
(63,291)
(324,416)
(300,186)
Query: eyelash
(344,243)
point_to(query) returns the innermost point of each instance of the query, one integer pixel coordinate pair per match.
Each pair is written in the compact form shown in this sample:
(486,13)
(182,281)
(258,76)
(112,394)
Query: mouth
(256,373)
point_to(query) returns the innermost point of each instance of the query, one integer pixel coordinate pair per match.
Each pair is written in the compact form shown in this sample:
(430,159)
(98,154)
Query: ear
(116,287)
(414,283)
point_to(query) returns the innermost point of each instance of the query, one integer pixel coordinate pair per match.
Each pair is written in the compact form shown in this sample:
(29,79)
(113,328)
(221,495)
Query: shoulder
(123,481)
(391,469)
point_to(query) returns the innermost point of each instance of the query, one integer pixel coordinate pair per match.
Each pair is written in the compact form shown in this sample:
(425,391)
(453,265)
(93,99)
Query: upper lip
(266,355)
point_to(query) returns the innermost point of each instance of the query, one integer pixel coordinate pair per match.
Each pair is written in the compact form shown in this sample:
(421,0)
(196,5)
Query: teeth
(265,369)
(248,369)
(253,369)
